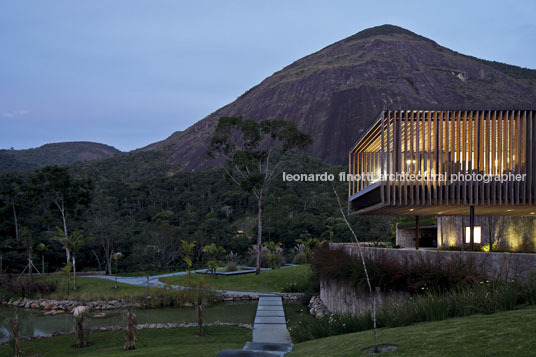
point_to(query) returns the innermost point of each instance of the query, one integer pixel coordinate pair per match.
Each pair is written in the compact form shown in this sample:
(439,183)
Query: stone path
(154,282)
(270,334)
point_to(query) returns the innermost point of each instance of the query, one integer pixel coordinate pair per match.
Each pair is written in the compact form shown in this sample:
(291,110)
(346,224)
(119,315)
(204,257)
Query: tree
(67,271)
(72,244)
(27,239)
(187,250)
(41,248)
(12,195)
(274,254)
(104,228)
(253,152)
(116,257)
(5,244)
(213,250)
(66,194)
(310,244)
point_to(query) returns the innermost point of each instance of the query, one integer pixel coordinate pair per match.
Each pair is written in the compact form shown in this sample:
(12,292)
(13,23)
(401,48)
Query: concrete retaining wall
(509,233)
(340,297)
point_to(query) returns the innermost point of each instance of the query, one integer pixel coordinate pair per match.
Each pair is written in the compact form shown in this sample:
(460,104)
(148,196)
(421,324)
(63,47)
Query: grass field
(267,281)
(502,334)
(90,289)
(161,342)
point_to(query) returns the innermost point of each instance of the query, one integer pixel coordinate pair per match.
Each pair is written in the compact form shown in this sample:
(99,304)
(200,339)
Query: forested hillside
(55,154)
(144,214)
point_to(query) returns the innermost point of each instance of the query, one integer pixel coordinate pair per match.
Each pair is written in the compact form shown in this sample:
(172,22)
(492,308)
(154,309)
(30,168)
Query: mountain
(335,93)
(55,154)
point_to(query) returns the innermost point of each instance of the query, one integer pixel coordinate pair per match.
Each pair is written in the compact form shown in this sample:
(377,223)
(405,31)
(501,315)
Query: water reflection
(34,323)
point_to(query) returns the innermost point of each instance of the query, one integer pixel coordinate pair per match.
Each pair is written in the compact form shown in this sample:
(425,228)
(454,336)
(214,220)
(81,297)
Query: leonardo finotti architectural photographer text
(403,176)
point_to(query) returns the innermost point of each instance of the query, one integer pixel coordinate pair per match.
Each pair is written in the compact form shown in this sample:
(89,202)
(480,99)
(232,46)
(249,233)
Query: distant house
(475,169)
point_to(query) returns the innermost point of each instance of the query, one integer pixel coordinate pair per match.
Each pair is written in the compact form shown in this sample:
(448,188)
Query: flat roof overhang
(465,141)
(368,202)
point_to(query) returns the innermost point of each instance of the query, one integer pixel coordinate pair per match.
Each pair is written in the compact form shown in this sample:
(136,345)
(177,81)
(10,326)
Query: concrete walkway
(154,282)
(270,334)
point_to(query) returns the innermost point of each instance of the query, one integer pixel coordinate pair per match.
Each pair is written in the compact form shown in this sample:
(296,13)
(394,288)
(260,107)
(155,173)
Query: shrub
(482,298)
(252,253)
(307,283)
(26,287)
(299,258)
(300,254)
(231,266)
(268,258)
(416,276)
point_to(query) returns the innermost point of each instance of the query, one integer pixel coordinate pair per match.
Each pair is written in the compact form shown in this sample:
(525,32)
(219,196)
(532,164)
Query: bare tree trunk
(372,295)
(259,235)
(74,272)
(42,263)
(61,208)
(16,221)
(98,260)
(30,264)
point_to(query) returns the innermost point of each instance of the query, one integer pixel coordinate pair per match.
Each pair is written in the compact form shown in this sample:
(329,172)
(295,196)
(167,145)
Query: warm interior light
(477,236)
(509,210)
(412,209)
(532,212)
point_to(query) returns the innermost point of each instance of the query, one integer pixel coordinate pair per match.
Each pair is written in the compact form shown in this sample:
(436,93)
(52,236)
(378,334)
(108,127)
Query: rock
(80,310)
(35,305)
(99,316)
(57,312)
(317,308)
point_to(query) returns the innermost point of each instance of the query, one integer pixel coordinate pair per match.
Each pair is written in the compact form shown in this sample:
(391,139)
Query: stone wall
(516,234)
(405,237)
(340,297)
(503,266)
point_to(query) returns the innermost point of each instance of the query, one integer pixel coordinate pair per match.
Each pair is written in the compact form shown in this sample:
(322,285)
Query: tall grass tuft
(480,298)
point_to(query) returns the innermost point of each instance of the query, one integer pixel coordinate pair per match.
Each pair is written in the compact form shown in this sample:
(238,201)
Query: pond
(34,323)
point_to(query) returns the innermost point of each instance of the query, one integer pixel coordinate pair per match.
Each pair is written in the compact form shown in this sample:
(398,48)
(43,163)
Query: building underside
(442,162)
(450,164)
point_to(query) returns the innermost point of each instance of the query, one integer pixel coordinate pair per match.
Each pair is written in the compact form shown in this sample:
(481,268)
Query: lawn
(508,333)
(267,281)
(161,342)
(90,289)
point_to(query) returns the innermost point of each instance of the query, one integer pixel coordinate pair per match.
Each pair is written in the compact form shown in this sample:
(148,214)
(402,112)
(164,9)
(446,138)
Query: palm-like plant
(187,250)
(41,248)
(275,252)
(67,271)
(72,244)
(213,250)
(116,257)
(310,244)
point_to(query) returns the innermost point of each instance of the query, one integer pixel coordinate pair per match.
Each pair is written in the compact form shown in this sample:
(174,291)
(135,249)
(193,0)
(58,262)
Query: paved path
(154,282)
(270,334)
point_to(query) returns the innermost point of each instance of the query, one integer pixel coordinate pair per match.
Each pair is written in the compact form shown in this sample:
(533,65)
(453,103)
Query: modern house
(475,169)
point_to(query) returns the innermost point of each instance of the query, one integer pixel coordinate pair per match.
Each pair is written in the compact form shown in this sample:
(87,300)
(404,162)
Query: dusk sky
(128,73)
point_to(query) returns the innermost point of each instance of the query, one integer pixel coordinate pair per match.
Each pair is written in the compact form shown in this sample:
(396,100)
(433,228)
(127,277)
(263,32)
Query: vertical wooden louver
(430,142)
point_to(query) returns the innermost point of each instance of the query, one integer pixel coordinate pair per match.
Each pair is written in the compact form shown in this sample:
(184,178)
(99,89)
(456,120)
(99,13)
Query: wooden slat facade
(447,142)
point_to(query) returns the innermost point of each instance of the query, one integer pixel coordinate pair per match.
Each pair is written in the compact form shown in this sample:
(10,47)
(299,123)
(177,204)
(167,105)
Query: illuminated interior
(477,238)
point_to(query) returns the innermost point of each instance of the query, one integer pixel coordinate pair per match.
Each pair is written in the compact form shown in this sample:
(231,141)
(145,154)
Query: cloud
(15,113)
